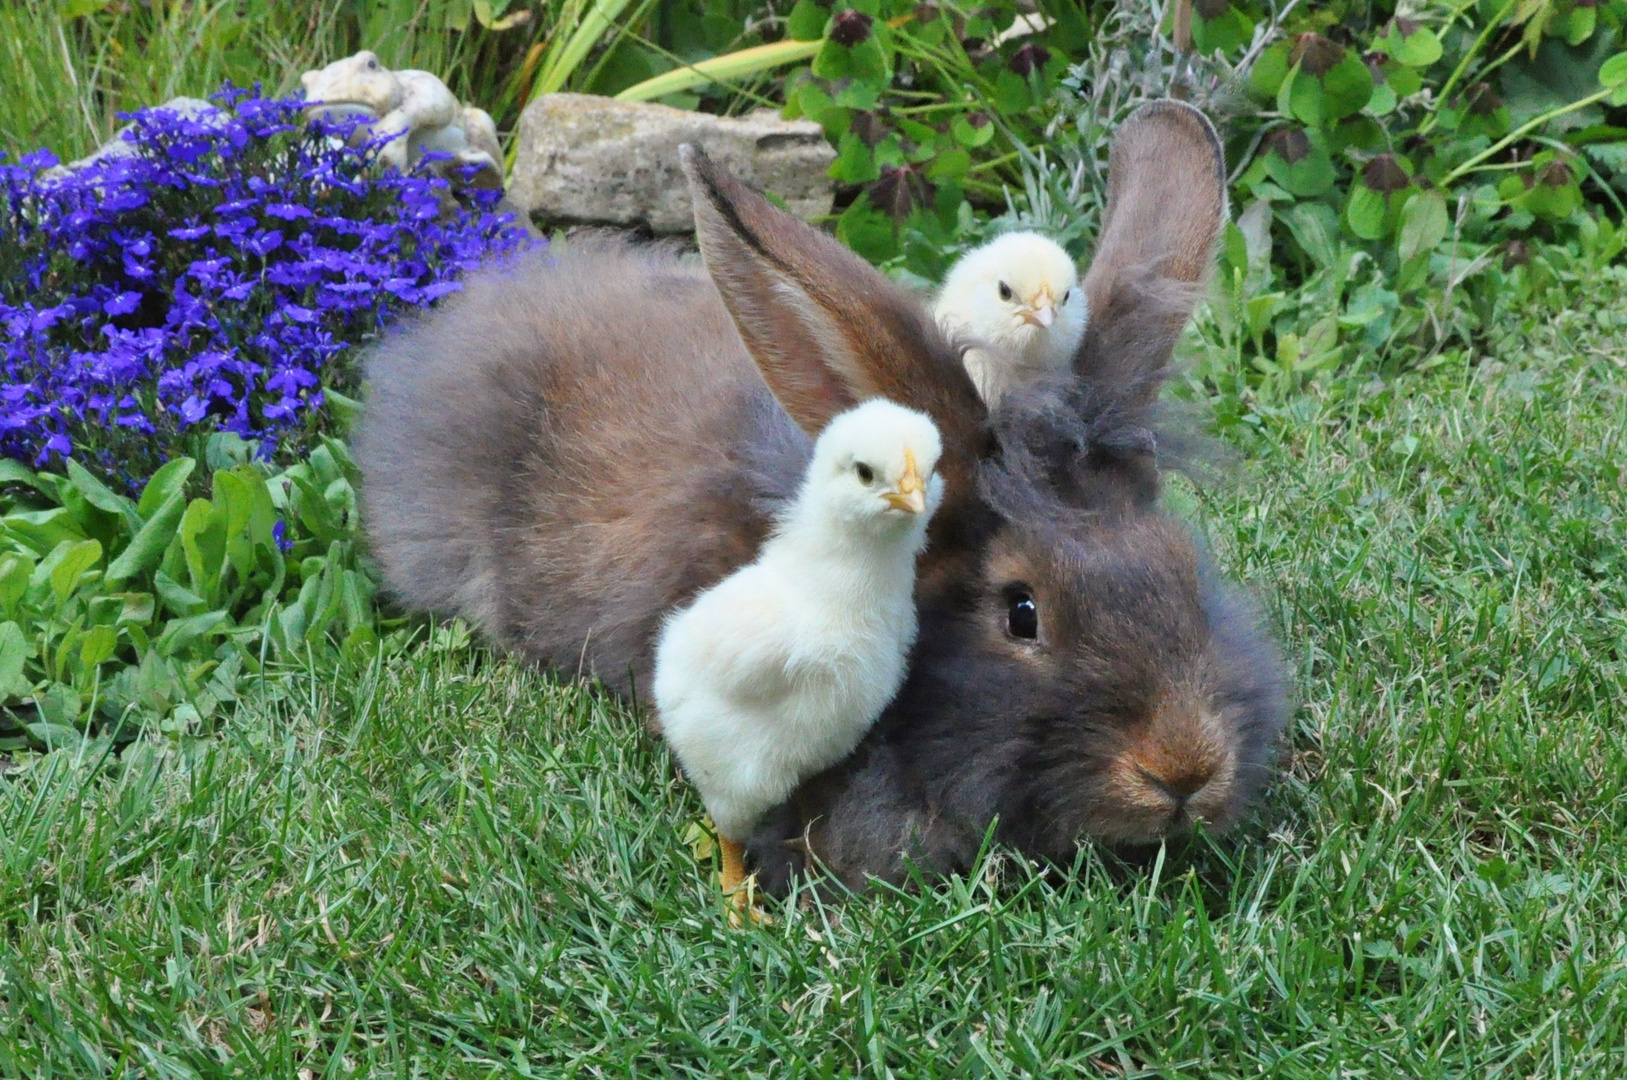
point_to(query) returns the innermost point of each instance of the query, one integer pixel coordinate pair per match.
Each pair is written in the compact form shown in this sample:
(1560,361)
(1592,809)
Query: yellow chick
(1018,299)
(778,670)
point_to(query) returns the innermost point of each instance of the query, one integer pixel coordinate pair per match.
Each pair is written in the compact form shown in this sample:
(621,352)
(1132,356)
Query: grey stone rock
(593,160)
(118,147)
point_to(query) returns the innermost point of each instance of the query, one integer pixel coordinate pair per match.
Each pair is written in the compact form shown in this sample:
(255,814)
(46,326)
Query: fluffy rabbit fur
(568,451)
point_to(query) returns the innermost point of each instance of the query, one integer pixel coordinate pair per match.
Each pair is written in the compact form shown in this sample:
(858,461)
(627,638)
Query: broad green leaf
(170,478)
(16,569)
(148,546)
(1424,224)
(1382,103)
(42,530)
(13,656)
(15,472)
(55,736)
(1346,87)
(807,21)
(865,62)
(177,597)
(101,496)
(949,165)
(1418,49)
(1316,227)
(971,135)
(1011,92)
(1364,213)
(97,646)
(203,540)
(59,704)
(1269,71)
(1614,71)
(182,633)
(76,562)
(1581,24)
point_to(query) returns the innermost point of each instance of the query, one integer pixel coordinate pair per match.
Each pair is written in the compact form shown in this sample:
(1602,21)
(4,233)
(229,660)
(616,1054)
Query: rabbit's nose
(1183,782)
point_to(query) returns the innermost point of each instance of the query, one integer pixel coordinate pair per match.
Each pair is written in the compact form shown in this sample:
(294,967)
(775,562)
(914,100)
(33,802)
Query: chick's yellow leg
(734,864)
(737,886)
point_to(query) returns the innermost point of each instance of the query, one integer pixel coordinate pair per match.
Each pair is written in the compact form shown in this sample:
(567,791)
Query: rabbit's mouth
(1157,789)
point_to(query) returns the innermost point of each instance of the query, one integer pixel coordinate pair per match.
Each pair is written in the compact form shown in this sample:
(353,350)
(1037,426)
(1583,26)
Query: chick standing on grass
(777,671)
(1018,298)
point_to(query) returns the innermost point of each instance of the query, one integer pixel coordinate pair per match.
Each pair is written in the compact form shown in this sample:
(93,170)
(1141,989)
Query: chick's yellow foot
(740,888)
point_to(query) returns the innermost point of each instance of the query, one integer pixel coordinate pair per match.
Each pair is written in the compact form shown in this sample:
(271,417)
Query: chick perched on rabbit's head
(876,463)
(1019,299)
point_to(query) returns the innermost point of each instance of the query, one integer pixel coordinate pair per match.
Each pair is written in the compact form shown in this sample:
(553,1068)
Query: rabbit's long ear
(1166,205)
(824,327)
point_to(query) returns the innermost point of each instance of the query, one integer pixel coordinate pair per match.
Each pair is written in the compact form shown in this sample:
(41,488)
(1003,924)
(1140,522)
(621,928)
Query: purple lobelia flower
(217,276)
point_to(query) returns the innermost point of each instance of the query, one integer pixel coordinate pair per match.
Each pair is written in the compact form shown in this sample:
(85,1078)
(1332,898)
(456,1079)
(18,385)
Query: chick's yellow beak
(911,494)
(1040,311)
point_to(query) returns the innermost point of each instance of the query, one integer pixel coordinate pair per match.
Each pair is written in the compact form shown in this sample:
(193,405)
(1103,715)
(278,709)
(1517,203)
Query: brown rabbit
(567,451)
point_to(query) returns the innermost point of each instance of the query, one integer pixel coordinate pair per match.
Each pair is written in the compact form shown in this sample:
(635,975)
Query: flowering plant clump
(214,279)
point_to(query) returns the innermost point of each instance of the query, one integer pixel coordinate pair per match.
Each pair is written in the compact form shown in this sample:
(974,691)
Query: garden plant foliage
(175,320)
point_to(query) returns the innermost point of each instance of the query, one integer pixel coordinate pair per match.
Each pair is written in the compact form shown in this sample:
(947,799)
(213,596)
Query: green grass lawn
(448,866)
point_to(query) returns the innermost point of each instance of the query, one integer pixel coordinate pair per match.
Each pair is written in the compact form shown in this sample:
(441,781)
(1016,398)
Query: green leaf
(15,570)
(1269,71)
(181,633)
(74,565)
(165,483)
(202,541)
(147,547)
(807,21)
(1418,49)
(1011,92)
(43,530)
(13,656)
(865,62)
(1316,227)
(855,163)
(1424,224)
(15,472)
(97,646)
(1583,21)
(949,165)
(1365,212)
(177,597)
(60,705)
(1346,87)
(101,496)
(971,135)
(1614,71)
(1382,103)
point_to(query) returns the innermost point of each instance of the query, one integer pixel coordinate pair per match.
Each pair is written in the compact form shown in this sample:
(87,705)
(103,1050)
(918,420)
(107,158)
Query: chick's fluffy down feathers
(777,671)
(1018,303)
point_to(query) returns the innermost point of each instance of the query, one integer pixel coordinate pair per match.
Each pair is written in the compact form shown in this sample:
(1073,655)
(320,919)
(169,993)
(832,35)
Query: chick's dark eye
(866,473)
(1005,291)
(1022,616)
(1066,295)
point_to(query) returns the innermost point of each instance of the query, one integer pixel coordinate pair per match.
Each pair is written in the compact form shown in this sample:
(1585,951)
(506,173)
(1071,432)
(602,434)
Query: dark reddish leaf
(1384,174)
(1030,59)
(900,190)
(1291,144)
(850,28)
(1315,54)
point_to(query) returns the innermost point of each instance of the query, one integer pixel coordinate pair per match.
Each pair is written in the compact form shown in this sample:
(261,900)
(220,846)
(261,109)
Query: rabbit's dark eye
(1005,291)
(866,473)
(1022,616)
